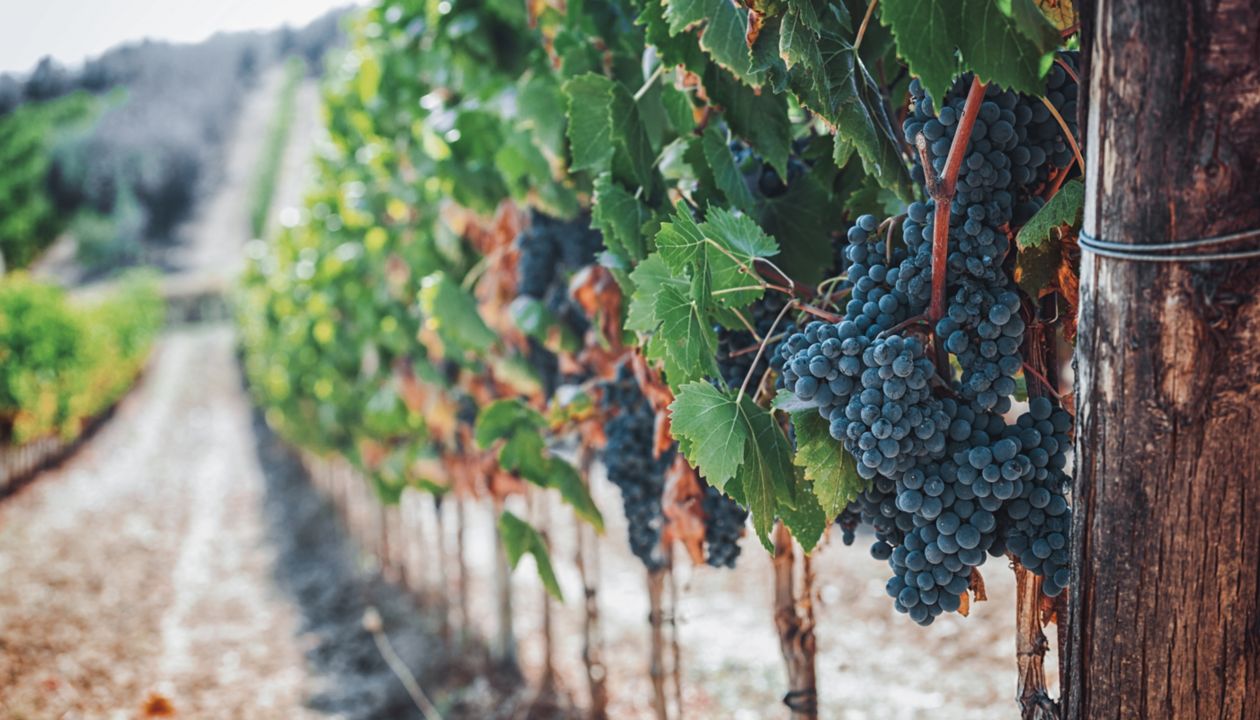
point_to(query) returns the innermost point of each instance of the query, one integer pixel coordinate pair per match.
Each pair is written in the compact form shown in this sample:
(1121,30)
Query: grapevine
(621,227)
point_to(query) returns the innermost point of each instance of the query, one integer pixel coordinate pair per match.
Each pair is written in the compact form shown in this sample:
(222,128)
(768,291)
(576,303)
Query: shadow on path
(318,566)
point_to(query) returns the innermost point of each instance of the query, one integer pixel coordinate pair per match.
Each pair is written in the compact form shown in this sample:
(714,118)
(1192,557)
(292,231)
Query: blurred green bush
(63,363)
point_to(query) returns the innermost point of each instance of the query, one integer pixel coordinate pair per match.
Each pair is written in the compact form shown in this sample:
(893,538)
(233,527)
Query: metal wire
(1159,252)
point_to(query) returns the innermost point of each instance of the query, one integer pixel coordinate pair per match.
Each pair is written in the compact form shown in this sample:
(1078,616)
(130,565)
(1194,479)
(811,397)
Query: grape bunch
(632,467)
(760,176)
(724,526)
(952,482)
(549,249)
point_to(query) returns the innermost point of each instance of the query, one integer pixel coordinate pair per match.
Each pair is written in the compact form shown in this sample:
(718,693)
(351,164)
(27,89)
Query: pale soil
(138,567)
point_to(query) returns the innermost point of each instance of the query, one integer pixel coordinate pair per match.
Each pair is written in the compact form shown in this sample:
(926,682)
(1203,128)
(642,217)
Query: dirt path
(138,569)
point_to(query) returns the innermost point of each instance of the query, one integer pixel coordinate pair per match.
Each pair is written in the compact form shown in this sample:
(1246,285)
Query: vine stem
(1076,149)
(1068,69)
(373,623)
(761,350)
(753,348)
(783,284)
(820,313)
(942,189)
(1042,379)
(916,320)
(866,20)
(647,84)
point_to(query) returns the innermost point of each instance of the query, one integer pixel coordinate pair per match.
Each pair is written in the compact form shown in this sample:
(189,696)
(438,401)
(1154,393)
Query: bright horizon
(72,31)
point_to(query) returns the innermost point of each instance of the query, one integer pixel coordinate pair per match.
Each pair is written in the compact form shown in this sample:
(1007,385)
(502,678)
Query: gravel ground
(181,562)
(137,570)
(873,663)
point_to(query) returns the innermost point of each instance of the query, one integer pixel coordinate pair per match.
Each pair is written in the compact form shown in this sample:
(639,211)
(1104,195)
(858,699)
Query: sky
(74,30)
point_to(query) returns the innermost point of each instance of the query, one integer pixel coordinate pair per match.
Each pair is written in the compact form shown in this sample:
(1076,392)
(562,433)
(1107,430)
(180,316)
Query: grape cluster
(952,482)
(724,526)
(849,519)
(1039,519)
(632,467)
(549,246)
(760,176)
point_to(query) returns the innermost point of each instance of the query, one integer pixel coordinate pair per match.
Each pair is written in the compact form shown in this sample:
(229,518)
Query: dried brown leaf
(977,586)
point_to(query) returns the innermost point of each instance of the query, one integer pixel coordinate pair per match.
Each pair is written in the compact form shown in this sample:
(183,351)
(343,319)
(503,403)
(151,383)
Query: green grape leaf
(787,401)
(759,118)
(1062,209)
(680,242)
(524,454)
(847,98)
(520,538)
(679,109)
(633,158)
(674,47)
(994,47)
(807,12)
(686,337)
(728,440)
(531,316)
(798,40)
(564,477)
(1035,25)
(682,13)
(652,114)
(620,216)
(727,177)
(802,220)
(452,312)
(648,277)
(737,242)
(926,33)
(589,127)
(711,423)
(807,520)
(502,418)
(724,37)
(825,463)
(538,96)
(768,480)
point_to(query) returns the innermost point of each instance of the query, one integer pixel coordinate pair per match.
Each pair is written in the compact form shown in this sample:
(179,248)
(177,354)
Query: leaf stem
(820,313)
(908,322)
(1042,379)
(866,20)
(761,350)
(647,84)
(747,325)
(753,348)
(1076,149)
(1068,69)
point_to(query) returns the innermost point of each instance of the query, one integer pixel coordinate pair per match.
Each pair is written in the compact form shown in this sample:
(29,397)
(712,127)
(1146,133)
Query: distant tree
(10,94)
(49,80)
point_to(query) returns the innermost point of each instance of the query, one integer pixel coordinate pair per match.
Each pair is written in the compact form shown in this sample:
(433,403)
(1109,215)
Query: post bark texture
(1165,599)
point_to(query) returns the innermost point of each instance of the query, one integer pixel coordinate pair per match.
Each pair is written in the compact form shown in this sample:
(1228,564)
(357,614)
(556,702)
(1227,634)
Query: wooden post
(587,559)
(1164,608)
(656,656)
(444,583)
(465,619)
(505,647)
(796,627)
